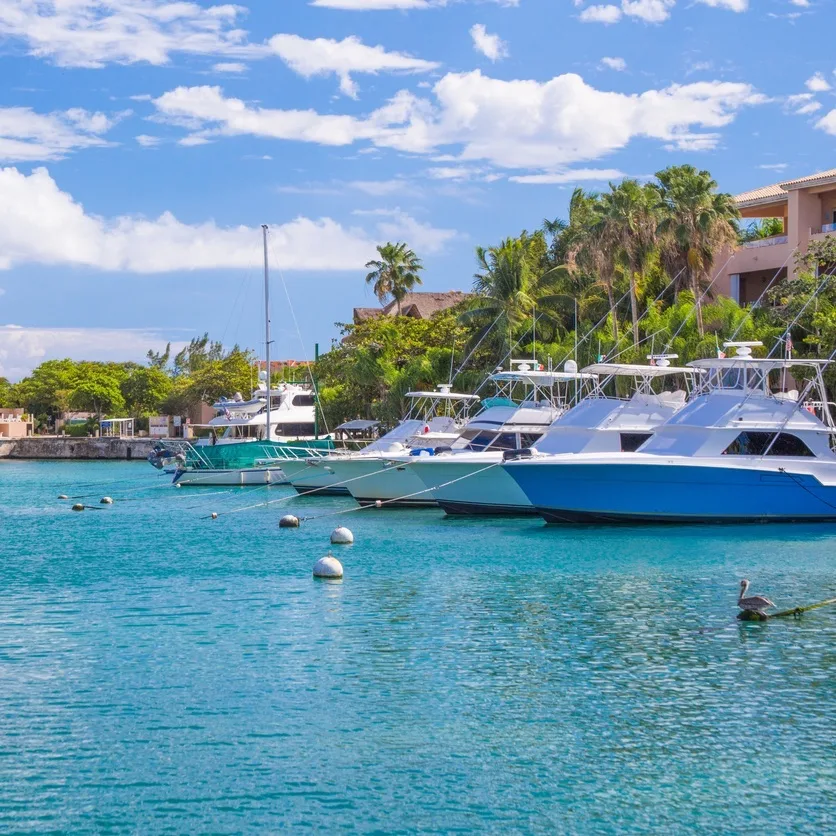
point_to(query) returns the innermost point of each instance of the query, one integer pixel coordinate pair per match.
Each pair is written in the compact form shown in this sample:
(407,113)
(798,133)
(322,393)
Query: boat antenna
(267,327)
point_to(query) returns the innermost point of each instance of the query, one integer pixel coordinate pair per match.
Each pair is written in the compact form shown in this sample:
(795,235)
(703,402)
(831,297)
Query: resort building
(417,305)
(14,423)
(807,208)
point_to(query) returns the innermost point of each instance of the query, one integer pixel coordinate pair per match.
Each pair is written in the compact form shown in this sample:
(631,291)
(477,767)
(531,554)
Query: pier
(55,447)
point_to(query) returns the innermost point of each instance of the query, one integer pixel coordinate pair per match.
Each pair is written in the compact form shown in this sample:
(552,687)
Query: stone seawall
(75,448)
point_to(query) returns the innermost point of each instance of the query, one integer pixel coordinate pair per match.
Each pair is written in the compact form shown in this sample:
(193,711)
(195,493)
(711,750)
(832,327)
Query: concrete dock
(54,447)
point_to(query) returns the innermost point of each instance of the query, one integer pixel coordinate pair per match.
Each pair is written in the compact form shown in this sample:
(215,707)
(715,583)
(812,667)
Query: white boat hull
(371,479)
(465,485)
(245,476)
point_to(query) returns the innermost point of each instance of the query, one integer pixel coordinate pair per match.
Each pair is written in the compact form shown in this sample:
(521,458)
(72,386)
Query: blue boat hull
(648,493)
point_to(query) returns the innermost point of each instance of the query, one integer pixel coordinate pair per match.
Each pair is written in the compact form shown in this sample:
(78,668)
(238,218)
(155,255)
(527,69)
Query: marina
(496,674)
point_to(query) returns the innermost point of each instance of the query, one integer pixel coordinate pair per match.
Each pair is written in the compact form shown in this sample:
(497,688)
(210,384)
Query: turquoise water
(164,672)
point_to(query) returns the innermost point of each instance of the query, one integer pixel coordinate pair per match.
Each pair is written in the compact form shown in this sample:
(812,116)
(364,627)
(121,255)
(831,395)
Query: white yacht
(434,418)
(470,481)
(527,400)
(741,450)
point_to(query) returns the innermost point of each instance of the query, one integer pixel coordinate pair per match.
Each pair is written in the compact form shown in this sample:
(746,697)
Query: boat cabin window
(292,430)
(496,441)
(757,443)
(303,400)
(529,439)
(630,442)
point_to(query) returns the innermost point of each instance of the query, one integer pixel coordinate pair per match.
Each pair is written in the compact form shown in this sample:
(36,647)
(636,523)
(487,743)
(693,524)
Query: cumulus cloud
(649,11)
(41,224)
(229,67)
(600,14)
(828,123)
(23,348)
(491,46)
(617,64)
(323,56)
(147,141)
(91,33)
(817,83)
(511,124)
(731,5)
(27,136)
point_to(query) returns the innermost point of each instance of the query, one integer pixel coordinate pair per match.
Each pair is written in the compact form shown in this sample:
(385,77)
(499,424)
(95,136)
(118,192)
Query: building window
(630,442)
(757,443)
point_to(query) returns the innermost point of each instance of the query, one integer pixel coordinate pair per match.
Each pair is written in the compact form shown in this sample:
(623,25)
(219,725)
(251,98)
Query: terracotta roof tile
(779,191)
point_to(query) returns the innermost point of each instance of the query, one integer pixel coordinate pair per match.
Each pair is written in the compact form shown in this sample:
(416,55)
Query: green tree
(697,222)
(5,392)
(145,390)
(98,390)
(395,273)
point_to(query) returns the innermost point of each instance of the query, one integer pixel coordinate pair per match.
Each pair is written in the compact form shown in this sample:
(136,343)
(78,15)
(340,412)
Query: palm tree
(510,285)
(395,273)
(628,224)
(697,221)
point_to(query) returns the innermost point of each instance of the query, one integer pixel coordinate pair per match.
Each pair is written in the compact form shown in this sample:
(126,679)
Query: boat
(435,418)
(468,481)
(744,449)
(249,441)
(527,400)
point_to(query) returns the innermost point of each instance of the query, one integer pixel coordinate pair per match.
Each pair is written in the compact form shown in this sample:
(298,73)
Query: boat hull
(477,486)
(208,478)
(673,493)
(309,476)
(373,480)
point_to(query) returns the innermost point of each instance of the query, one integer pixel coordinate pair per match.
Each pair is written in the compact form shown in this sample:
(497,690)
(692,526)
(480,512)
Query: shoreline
(64,448)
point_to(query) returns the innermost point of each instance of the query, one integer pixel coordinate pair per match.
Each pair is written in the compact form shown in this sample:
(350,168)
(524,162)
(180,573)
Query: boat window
(481,440)
(630,442)
(529,439)
(303,400)
(757,443)
(294,429)
(505,441)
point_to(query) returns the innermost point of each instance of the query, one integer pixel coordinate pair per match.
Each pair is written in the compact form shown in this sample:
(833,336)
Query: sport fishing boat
(250,440)
(434,418)
(527,400)
(741,450)
(467,480)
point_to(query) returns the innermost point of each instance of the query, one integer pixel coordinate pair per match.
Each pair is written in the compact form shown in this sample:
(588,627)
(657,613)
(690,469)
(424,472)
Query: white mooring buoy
(214,515)
(289,521)
(106,500)
(62,496)
(378,503)
(342,536)
(78,507)
(328,567)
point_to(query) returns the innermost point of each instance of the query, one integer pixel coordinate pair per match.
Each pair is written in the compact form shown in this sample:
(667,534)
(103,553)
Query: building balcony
(817,233)
(766,242)
(763,254)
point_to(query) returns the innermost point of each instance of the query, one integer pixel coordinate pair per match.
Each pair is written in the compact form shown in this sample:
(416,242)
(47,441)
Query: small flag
(720,354)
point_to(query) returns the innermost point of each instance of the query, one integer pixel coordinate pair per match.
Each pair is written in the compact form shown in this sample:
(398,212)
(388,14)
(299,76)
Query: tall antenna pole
(269,433)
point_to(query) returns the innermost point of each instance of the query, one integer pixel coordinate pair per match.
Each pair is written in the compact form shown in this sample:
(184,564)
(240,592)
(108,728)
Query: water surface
(165,672)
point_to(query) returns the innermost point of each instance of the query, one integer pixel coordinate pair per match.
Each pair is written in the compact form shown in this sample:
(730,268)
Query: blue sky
(143,142)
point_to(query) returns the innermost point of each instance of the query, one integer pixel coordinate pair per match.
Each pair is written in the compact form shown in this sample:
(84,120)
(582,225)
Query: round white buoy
(342,536)
(78,507)
(106,500)
(214,515)
(328,567)
(289,521)
(378,503)
(62,496)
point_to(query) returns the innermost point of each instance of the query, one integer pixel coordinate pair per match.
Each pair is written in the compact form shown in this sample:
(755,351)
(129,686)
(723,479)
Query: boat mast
(267,328)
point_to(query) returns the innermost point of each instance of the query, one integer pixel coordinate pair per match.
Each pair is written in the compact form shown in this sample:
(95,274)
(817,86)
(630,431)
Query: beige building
(14,423)
(807,208)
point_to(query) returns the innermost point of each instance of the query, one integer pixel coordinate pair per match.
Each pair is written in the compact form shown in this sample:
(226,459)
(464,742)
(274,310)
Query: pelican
(754,603)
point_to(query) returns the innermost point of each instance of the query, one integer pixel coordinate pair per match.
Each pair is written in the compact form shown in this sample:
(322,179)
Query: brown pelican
(754,603)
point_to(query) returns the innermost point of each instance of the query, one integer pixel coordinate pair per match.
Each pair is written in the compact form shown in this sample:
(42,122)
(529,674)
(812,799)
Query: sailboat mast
(269,433)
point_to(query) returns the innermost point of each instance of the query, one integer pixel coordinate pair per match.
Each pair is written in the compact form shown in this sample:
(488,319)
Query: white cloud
(23,348)
(617,64)
(580,175)
(27,136)
(773,166)
(731,5)
(372,5)
(229,67)
(600,14)
(828,123)
(817,83)
(380,188)
(41,224)
(810,107)
(397,225)
(650,11)
(323,56)
(512,124)
(148,141)
(804,4)
(92,33)
(491,46)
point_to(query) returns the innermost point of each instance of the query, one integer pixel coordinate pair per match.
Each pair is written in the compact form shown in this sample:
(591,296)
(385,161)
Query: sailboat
(250,440)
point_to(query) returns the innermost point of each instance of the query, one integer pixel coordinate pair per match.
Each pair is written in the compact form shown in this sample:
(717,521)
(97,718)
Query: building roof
(778,191)
(421,305)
